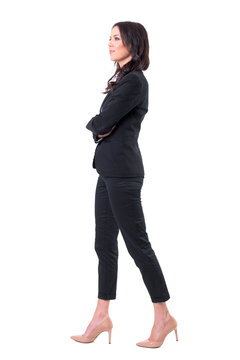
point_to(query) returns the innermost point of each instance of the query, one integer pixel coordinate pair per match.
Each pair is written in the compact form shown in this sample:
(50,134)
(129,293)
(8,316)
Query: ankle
(161,316)
(101,313)
(102,306)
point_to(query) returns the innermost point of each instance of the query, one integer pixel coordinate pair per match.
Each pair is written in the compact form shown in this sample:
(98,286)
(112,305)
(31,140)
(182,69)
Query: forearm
(98,138)
(108,133)
(100,125)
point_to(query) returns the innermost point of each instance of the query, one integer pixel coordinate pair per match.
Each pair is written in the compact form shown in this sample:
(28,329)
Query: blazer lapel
(106,97)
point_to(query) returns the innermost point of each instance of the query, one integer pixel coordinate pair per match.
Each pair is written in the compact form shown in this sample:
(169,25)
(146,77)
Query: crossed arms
(125,97)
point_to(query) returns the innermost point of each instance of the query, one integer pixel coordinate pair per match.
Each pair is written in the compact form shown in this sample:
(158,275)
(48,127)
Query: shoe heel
(176,334)
(109,335)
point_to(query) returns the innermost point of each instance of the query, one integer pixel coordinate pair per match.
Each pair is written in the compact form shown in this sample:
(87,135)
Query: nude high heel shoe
(105,325)
(170,326)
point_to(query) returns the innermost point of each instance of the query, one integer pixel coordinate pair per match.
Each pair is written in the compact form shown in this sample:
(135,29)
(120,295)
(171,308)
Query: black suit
(118,154)
(118,192)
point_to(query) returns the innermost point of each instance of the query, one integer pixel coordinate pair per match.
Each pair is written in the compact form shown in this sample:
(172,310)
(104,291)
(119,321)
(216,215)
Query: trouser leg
(125,200)
(106,244)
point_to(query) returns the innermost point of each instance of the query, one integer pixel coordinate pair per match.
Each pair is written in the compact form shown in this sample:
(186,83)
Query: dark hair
(135,39)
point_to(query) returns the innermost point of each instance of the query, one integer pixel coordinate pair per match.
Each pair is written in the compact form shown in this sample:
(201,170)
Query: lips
(111,51)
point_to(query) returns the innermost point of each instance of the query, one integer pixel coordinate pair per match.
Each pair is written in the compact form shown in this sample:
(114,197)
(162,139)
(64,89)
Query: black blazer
(118,154)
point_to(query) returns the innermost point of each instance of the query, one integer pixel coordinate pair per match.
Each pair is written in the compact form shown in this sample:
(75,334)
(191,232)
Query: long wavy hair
(135,39)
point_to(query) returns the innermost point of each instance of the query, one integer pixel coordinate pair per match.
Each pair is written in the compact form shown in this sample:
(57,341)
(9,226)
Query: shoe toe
(143,343)
(149,344)
(79,338)
(76,337)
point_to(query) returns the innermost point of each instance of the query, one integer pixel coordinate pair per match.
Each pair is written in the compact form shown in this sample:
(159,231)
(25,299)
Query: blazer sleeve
(124,98)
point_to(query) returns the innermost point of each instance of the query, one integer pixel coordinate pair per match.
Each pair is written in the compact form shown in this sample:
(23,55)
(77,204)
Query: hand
(101,136)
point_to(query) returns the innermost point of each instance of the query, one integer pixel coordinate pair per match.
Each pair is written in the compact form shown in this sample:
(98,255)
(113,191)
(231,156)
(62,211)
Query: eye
(116,38)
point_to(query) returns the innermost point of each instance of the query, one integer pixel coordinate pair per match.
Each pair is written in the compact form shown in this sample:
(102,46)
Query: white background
(54,64)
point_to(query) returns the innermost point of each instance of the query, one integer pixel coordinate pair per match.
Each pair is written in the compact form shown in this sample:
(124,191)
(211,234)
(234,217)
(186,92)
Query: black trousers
(118,207)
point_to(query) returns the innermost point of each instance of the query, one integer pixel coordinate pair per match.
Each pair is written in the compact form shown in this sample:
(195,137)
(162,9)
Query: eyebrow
(114,35)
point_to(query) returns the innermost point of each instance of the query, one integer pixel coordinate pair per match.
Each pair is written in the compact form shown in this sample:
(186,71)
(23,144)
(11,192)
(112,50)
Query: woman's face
(118,52)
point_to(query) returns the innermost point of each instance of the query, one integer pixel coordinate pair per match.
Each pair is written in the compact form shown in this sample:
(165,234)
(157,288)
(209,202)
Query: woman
(118,161)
